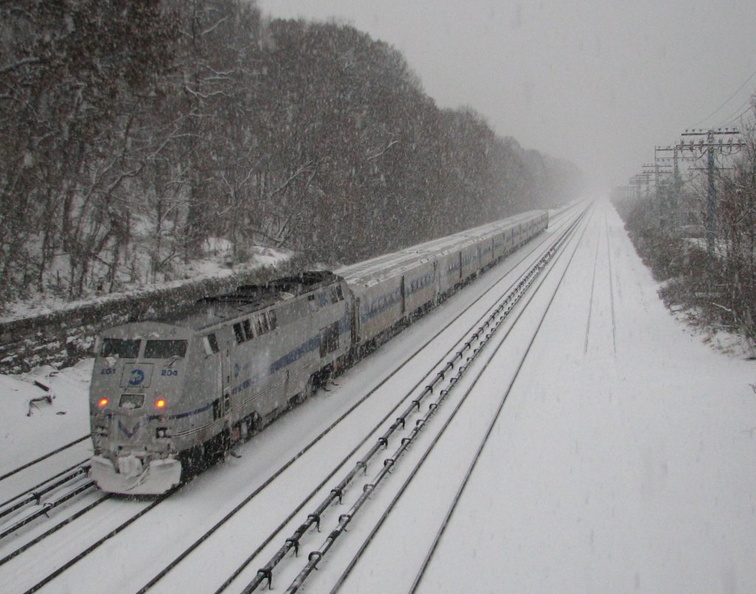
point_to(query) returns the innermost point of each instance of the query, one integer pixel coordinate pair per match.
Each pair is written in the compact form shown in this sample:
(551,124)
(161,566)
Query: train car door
(356,321)
(404,295)
(437,281)
(222,402)
(220,369)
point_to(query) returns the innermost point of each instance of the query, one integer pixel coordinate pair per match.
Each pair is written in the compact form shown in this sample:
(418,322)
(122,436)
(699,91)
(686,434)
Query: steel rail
(41,458)
(313,519)
(503,310)
(247,499)
(37,491)
(484,441)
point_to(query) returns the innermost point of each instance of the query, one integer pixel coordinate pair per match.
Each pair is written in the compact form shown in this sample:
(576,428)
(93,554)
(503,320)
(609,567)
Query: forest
(137,132)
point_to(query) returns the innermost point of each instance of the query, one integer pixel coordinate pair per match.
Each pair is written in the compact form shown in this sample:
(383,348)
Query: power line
(726,101)
(736,118)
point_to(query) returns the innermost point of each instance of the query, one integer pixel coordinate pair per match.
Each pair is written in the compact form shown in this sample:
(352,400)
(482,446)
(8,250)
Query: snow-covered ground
(623,460)
(628,462)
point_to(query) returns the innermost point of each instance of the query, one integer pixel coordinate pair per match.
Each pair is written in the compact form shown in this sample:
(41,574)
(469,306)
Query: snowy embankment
(30,425)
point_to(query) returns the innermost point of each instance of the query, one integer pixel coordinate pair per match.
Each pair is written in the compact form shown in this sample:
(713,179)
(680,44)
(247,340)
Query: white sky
(600,82)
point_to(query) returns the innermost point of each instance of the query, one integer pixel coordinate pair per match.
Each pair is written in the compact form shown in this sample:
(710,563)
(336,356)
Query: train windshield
(165,349)
(119,347)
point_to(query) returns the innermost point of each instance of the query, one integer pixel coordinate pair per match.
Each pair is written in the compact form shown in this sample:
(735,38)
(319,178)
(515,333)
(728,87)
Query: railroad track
(44,497)
(442,368)
(467,390)
(33,500)
(128,513)
(459,370)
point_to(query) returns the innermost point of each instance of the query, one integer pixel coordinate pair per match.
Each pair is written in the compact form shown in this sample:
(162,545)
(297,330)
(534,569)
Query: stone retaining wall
(64,337)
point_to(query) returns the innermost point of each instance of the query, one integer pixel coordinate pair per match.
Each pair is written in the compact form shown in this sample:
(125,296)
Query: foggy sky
(600,82)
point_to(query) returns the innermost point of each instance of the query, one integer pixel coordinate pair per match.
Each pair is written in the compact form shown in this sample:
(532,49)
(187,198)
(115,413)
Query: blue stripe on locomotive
(311,344)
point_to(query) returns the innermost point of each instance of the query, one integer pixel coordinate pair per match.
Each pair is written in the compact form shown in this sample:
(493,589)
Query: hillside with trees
(135,133)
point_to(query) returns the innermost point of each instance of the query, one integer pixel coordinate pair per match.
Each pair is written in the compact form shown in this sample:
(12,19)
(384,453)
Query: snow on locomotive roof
(247,299)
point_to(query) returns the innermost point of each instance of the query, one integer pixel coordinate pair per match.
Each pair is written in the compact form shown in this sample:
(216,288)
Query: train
(169,397)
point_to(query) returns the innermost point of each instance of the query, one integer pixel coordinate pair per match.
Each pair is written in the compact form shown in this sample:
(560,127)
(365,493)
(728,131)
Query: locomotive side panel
(279,360)
(499,244)
(487,252)
(189,414)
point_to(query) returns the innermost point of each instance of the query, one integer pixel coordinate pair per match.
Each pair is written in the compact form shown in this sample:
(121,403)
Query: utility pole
(710,145)
(636,181)
(656,171)
(671,190)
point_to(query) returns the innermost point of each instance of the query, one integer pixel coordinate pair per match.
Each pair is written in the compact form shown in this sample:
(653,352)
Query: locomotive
(168,397)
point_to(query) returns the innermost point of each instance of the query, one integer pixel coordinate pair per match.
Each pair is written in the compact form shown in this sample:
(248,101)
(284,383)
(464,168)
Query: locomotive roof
(247,299)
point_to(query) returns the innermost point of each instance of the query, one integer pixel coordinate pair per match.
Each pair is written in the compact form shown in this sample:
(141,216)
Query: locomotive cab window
(165,349)
(247,325)
(119,347)
(239,333)
(262,324)
(211,344)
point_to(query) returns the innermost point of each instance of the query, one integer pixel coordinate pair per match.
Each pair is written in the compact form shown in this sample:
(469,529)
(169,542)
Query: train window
(239,332)
(247,324)
(131,401)
(262,324)
(329,340)
(337,294)
(211,344)
(273,321)
(165,349)
(120,347)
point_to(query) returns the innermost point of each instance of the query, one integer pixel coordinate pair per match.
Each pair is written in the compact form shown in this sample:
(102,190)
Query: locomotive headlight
(160,403)
(103,402)
(162,432)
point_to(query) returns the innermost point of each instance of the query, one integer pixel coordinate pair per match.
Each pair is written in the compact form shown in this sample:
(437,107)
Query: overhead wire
(740,111)
(726,101)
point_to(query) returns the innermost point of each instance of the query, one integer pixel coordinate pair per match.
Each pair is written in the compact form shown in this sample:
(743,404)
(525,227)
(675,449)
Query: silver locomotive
(169,397)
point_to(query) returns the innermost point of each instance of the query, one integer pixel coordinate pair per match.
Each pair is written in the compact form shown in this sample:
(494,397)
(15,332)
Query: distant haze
(599,82)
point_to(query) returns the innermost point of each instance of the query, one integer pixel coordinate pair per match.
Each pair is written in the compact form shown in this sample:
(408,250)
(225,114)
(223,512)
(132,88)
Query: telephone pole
(671,190)
(711,145)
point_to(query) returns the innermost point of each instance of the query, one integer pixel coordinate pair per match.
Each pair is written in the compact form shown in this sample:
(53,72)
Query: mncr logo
(137,377)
